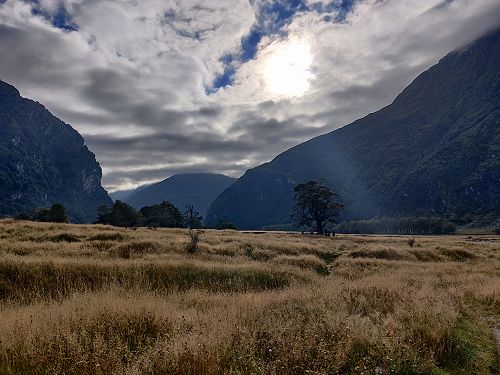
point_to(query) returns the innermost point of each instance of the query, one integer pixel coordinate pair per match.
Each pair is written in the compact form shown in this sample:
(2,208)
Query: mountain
(123,195)
(434,151)
(197,189)
(44,161)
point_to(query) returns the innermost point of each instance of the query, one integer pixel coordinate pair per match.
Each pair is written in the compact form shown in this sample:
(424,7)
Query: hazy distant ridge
(197,189)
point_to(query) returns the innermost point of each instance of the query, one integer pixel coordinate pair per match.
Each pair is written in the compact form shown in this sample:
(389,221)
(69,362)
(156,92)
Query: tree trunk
(319,227)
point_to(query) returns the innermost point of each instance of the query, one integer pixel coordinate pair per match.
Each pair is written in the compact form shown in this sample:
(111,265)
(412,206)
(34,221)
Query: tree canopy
(120,215)
(54,214)
(226,225)
(164,215)
(315,205)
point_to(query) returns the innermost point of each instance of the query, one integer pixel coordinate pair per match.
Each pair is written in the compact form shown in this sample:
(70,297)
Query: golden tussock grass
(102,300)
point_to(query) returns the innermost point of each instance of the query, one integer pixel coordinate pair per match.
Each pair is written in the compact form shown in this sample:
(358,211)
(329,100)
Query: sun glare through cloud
(287,69)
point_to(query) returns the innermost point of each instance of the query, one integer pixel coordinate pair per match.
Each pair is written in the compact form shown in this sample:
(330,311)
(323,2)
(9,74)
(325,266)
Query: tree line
(161,215)
(121,214)
(53,214)
(315,209)
(398,225)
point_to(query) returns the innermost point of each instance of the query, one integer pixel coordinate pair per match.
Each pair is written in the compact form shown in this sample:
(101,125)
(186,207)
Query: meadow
(92,299)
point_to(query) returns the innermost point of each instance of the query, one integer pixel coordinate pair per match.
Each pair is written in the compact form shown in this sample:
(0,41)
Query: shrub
(54,214)
(194,238)
(226,225)
(22,216)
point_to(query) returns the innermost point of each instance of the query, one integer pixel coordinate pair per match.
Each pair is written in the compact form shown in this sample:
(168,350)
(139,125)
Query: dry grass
(101,300)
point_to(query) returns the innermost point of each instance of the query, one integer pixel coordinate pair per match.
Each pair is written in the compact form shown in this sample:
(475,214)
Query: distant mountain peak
(197,189)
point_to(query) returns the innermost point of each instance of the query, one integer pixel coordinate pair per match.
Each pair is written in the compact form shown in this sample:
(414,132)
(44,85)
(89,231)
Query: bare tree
(192,217)
(194,238)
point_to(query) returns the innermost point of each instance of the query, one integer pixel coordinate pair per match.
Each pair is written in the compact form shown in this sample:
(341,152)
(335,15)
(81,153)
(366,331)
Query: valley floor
(102,300)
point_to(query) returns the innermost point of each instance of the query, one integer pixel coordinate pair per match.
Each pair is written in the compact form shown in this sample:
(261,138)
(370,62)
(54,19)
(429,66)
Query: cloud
(159,87)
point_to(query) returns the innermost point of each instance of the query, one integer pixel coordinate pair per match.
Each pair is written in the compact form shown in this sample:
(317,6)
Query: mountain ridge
(399,160)
(43,160)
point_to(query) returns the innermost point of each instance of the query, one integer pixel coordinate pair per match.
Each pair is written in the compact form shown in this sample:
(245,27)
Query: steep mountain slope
(44,161)
(434,151)
(198,189)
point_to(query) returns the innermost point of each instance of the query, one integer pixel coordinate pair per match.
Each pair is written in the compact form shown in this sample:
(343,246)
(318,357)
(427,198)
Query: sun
(287,69)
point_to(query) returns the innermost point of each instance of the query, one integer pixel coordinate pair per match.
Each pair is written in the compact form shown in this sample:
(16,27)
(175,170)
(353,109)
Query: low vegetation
(95,299)
(53,214)
(398,225)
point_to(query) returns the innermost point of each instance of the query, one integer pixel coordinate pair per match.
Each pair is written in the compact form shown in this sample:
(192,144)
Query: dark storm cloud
(201,143)
(264,133)
(28,60)
(115,93)
(157,174)
(83,117)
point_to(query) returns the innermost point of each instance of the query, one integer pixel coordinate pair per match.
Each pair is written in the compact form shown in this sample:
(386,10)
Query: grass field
(101,300)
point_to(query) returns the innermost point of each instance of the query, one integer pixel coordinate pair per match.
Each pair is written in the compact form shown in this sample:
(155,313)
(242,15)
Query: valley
(286,187)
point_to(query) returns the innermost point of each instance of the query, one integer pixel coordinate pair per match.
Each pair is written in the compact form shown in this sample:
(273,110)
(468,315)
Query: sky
(160,87)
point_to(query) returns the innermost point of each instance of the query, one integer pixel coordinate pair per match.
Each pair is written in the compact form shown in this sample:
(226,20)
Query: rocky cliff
(44,161)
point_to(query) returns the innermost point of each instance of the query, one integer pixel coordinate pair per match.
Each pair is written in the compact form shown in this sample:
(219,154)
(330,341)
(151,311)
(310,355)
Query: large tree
(315,205)
(54,214)
(120,215)
(103,214)
(164,214)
